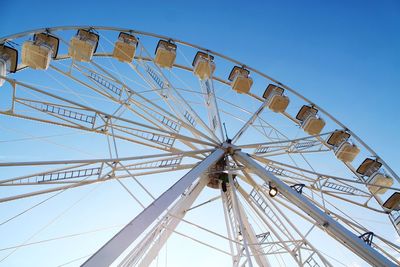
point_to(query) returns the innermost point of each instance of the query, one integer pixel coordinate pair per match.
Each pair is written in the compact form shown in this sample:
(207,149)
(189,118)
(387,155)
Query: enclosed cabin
(344,150)
(393,207)
(37,54)
(8,61)
(276,101)
(393,202)
(165,54)
(241,82)
(125,47)
(310,122)
(203,65)
(370,168)
(83,45)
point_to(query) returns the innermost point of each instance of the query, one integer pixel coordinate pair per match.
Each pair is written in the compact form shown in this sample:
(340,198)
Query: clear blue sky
(343,55)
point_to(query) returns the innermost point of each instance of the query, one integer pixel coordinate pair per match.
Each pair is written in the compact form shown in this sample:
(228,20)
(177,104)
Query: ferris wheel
(128,148)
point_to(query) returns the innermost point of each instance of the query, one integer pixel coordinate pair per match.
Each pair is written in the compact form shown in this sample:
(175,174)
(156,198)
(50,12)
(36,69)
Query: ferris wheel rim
(155,35)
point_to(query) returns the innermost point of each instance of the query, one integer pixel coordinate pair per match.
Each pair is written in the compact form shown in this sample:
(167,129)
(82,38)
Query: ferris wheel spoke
(158,81)
(70,114)
(300,145)
(271,132)
(211,104)
(249,122)
(101,160)
(290,238)
(68,174)
(272,230)
(81,106)
(344,189)
(265,131)
(84,172)
(360,229)
(303,142)
(352,223)
(182,115)
(49,190)
(153,114)
(346,219)
(336,230)
(279,168)
(302,251)
(149,108)
(151,77)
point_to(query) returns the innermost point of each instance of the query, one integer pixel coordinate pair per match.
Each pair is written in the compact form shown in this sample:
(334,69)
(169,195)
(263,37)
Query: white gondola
(37,54)
(8,61)
(344,150)
(203,65)
(83,45)
(379,179)
(368,167)
(125,47)
(347,152)
(241,82)
(310,122)
(277,102)
(393,202)
(337,137)
(375,178)
(165,54)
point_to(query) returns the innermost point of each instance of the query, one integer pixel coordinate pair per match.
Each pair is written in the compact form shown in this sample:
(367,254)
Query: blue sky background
(344,56)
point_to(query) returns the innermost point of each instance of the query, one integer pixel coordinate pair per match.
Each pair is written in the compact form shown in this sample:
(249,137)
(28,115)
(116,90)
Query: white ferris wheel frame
(187,185)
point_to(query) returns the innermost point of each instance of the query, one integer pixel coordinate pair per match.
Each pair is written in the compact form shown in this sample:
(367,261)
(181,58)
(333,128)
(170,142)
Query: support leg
(107,254)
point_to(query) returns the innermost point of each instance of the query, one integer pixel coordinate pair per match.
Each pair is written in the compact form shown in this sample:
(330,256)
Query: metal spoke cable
(116,154)
(32,207)
(51,88)
(69,89)
(125,77)
(49,141)
(74,260)
(41,137)
(61,237)
(52,221)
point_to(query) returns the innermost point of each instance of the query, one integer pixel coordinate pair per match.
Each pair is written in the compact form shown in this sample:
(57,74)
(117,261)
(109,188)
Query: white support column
(238,215)
(178,212)
(333,228)
(229,229)
(255,247)
(107,254)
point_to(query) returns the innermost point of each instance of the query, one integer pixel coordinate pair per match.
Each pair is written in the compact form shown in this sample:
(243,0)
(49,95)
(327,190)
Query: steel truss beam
(333,228)
(107,254)
(255,246)
(163,230)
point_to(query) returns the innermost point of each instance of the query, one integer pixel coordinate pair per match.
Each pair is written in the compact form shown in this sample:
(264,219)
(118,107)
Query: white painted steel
(333,228)
(108,253)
